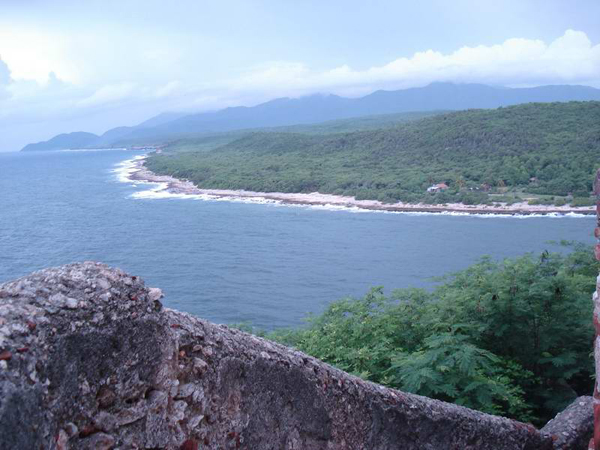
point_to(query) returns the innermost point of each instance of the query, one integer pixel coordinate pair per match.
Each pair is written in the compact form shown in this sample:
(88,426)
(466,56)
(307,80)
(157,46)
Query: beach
(137,172)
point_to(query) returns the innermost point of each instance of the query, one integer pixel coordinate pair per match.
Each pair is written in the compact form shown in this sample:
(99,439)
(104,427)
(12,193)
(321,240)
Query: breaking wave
(158,191)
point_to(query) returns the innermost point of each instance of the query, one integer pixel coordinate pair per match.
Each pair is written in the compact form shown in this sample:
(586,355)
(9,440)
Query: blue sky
(93,65)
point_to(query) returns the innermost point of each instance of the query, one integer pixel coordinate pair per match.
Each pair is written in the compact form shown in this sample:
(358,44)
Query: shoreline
(139,173)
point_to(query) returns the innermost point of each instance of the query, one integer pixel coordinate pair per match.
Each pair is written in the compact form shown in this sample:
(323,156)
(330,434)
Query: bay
(233,262)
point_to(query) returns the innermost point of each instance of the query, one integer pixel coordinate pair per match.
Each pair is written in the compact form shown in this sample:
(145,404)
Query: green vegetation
(511,338)
(355,123)
(537,149)
(200,142)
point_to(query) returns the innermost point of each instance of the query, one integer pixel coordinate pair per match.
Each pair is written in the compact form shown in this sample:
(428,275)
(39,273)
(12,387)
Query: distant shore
(182,187)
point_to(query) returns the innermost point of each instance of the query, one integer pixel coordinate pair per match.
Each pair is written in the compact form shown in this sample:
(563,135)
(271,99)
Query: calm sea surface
(235,262)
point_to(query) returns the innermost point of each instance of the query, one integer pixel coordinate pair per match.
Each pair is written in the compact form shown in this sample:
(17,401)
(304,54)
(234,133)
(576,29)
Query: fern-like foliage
(451,368)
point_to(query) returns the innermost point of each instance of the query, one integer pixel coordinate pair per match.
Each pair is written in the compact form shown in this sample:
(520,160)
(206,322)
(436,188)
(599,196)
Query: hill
(319,108)
(482,155)
(209,141)
(63,141)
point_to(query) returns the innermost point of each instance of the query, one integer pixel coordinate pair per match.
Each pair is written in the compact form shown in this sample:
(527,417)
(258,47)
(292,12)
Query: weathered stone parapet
(90,360)
(572,428)
(595,441)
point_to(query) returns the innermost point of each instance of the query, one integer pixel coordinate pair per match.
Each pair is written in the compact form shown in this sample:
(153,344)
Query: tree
(449,367)
(511,337)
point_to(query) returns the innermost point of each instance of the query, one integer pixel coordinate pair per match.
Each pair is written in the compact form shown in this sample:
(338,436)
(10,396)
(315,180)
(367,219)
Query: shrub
(582,201)
(511,338)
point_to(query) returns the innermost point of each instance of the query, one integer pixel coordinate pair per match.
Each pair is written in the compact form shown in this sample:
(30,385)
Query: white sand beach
(137,172)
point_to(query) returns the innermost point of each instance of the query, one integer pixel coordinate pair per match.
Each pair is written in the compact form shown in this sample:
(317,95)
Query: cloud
(5,80)
(4,73)
(569,59)
(33,53)
(114,93)
(94,91)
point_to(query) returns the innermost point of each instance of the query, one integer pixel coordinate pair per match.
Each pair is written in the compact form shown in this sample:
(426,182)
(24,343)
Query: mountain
(451,96)
(211,141)
(78,139)
(541,149)
(319,108)
(161,119)
(108,139)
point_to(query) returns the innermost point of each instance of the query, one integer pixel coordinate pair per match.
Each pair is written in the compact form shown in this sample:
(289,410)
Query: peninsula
(531,158)
(177,187)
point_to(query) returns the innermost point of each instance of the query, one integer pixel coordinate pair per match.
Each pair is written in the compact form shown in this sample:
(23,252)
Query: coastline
(137,172)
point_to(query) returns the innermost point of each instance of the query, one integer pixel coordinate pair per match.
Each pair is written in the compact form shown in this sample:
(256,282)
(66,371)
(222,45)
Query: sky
(72,65)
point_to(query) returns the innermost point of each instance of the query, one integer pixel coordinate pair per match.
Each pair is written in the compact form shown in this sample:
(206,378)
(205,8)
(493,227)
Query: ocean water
(233,262)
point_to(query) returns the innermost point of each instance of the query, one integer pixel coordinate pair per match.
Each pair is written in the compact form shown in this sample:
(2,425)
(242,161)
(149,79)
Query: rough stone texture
(89,359)
(594,443)
(572,428)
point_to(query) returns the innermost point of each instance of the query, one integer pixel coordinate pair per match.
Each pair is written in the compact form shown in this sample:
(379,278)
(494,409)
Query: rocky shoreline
(139,172)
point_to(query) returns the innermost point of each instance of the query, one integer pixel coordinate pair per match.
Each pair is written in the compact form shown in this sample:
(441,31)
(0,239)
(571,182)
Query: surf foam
(125,169)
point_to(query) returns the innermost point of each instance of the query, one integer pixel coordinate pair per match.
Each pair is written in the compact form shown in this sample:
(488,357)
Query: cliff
(89,359)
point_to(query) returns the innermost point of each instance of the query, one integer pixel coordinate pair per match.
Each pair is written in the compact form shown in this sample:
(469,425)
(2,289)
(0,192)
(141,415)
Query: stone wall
(595,441)
(571,429)
(89,359)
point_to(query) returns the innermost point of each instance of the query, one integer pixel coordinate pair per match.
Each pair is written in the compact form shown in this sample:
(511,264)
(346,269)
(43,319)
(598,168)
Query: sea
(229,261)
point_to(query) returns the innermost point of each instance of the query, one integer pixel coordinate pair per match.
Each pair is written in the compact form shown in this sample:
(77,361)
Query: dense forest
(210,141)
(512,338)
(541,151)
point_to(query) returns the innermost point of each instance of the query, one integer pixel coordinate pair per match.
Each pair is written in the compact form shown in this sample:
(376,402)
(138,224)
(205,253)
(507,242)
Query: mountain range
(317,108)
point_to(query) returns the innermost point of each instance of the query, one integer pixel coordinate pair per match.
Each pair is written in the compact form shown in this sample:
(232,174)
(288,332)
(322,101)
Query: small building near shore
(437,187)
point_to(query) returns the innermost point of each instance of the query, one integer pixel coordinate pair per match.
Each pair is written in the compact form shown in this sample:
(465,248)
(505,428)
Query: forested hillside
(544,149)
(510,338)
(210,141)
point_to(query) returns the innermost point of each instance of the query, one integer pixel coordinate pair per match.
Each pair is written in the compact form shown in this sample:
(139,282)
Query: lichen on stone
(89,359)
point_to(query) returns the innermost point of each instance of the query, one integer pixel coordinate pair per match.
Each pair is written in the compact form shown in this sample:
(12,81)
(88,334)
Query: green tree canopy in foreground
(538,148)
(511,338)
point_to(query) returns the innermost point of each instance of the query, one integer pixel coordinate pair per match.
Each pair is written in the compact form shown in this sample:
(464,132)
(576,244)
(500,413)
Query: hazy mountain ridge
(63,141)
(320,108)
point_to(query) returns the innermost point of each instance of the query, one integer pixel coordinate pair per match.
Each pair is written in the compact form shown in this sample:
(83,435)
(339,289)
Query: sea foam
(159,191)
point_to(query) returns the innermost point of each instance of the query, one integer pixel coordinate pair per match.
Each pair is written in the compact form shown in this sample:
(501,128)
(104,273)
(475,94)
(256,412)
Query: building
(437,187)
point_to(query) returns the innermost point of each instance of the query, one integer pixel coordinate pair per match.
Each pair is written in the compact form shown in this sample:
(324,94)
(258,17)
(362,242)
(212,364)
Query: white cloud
(170,88)
(48,79)
(569,59)
(113,93)
(32,54)
(5,77)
